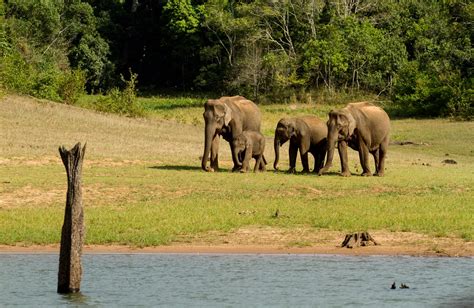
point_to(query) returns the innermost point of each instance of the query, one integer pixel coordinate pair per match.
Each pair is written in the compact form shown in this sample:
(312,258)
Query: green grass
(142,182)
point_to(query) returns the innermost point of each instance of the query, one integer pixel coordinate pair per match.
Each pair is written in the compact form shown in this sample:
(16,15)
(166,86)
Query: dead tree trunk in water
(72,235)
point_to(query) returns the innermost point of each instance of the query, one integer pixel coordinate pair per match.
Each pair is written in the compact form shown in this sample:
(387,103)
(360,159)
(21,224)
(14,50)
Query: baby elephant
(247,145)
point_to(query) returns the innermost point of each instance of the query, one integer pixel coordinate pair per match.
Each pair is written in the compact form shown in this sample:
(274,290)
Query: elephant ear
(227,115)
(352,123)
(291,129)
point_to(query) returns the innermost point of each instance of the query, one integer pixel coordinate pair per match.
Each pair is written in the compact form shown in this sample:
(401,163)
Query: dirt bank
(274,241)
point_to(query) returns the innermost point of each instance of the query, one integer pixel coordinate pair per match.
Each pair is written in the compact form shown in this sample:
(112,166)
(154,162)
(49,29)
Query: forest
(415,54)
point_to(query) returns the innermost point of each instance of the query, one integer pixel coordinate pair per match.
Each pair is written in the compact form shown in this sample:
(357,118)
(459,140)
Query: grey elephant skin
(365,128)
(307,134)
(249,145)
(228,117)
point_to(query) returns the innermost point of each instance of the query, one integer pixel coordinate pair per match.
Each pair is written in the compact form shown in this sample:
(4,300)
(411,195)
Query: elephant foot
(346,173)
(379,174)
(210,169)
(243,171)
(291,171)
(236,169)
(305,171)
(323,170)
(367,173)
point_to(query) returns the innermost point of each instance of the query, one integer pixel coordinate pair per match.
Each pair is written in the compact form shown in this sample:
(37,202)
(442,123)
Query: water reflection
(75,298)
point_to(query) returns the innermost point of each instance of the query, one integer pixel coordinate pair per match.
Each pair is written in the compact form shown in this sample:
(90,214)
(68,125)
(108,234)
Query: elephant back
(247,111)
(373,118)
(317,127)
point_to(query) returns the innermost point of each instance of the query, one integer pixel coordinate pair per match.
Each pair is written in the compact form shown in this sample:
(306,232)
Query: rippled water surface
(241,280)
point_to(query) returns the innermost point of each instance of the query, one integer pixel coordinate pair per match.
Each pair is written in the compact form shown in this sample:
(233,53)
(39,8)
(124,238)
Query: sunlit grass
(142,183)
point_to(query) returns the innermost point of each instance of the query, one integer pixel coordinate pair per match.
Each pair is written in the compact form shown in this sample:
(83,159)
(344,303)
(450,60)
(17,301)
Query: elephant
(365,128)
(249,145)
(306,134)
(228,117)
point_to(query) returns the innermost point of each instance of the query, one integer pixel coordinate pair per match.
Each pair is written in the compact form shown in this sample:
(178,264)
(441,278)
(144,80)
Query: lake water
(201,280)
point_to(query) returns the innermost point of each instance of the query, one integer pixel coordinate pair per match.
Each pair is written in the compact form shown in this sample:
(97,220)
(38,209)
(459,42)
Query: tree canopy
(419,54)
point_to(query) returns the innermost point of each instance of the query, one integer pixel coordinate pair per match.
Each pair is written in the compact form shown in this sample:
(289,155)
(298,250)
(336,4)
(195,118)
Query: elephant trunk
(208,136)
(331,145)
(276,145)
(237,156)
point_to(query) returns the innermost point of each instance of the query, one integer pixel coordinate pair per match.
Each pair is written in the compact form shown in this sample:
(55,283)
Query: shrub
(71,86)
(124,101)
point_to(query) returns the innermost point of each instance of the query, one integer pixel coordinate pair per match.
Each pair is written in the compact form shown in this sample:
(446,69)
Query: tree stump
(358,239)
(72,235)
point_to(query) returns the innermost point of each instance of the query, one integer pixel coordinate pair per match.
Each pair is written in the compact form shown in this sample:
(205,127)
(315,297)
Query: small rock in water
(394,286)
(404,286)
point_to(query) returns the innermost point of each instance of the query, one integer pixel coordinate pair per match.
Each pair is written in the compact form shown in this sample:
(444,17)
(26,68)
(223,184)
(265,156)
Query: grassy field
(143,184)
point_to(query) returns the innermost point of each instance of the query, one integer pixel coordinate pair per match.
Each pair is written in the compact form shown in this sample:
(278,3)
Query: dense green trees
(416,53)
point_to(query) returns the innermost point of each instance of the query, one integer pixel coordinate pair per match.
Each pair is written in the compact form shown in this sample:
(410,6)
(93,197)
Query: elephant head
(217,116)
(341,126)
(240,144)
(285,130)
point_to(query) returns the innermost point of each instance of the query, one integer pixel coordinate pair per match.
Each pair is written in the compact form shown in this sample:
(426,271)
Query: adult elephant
(365,128)
(228,117)
(306,134)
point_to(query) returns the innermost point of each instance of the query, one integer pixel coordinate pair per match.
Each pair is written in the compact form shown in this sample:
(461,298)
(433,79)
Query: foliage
(124,101)
(34,52)
(72,86)
(416,53)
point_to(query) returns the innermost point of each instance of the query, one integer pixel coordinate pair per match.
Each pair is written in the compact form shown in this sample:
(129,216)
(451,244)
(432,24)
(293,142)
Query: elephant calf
(250,144)
(306,134)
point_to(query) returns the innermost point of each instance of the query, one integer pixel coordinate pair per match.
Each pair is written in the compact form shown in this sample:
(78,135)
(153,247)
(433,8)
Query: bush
(41,78)
(71,86)
(122,102)
(462,106)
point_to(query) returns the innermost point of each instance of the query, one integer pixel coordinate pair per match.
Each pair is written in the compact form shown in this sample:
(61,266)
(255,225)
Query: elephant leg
(376,155)
(262,164)
(319,160)
(364,159)
(304,161)
(257,164)
(247,158)
(322,157)
(293,151)
(237,165)
(342,148)
(215,153)
(382,154)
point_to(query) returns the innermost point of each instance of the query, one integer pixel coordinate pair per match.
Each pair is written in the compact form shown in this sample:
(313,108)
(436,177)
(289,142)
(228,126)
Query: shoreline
(379,250)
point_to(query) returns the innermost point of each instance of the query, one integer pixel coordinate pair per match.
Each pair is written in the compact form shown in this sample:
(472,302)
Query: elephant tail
(264,160)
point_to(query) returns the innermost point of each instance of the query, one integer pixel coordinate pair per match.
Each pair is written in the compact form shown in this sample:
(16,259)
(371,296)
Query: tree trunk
(72,235)
(358,239)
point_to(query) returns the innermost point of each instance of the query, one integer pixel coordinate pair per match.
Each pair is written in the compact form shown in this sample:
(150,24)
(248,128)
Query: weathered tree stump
(72,235)
(358,239)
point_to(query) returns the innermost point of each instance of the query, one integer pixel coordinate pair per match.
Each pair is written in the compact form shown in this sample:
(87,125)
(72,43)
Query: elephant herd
(362,126)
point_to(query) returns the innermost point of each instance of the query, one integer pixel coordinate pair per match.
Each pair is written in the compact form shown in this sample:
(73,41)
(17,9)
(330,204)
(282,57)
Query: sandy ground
(255,241)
